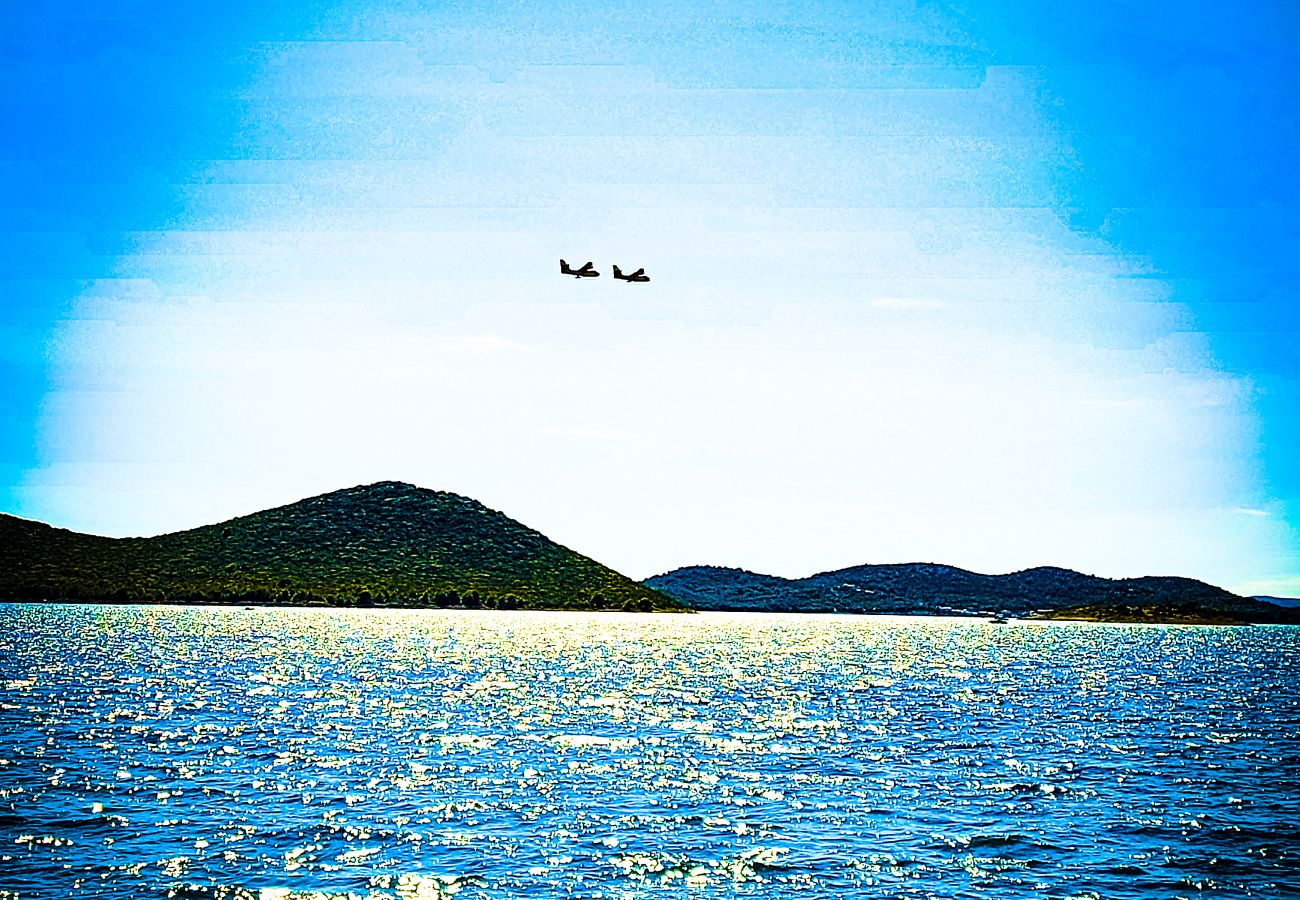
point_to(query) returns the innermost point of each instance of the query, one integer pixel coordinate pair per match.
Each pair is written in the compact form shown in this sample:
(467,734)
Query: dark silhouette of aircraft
(585,272)
(638,275)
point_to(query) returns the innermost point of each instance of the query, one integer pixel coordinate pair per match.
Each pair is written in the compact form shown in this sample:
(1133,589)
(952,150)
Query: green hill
(385,544)
(928,588)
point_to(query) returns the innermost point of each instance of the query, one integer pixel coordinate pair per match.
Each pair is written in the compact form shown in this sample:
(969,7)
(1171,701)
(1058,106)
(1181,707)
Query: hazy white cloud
(909,303)
(488,343)
(593,434)
(809,441)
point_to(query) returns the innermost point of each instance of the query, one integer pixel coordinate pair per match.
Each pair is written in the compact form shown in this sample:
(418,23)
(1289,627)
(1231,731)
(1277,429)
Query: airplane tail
(564,267)
(618,273)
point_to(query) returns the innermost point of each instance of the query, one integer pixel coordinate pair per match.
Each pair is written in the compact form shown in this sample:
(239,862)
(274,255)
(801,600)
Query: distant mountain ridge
(1278,601)
(929,588)
(394,544)
(381,544)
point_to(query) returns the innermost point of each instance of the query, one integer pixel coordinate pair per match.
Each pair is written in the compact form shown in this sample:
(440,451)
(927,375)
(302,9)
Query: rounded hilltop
(383,544)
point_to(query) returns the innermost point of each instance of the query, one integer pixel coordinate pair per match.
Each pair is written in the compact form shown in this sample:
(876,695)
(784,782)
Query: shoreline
(1083,616)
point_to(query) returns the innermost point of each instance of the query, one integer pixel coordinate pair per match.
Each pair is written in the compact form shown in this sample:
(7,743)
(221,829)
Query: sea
(301,754)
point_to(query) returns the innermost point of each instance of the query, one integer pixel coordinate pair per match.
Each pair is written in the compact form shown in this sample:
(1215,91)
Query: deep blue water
(188,752)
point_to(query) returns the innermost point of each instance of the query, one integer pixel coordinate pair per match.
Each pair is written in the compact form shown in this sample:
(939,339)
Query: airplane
(638,275)
(585,272)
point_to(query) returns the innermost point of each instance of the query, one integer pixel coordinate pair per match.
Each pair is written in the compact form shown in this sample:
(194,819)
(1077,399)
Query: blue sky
(985,284)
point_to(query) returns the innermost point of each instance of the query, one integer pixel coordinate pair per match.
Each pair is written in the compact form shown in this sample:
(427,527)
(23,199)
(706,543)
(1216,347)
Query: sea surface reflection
(204,753)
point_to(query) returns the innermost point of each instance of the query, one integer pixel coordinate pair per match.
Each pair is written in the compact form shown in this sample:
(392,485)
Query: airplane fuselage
(639,275)
(585,272)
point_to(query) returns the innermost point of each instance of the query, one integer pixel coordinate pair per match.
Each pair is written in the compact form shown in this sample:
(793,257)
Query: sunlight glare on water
(295,753)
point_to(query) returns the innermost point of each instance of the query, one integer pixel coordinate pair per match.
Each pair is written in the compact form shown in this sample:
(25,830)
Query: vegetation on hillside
(926,588)
(387,544)
(1144,615)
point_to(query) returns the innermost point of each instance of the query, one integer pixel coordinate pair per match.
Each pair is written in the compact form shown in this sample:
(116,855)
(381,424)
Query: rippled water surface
(192,752)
